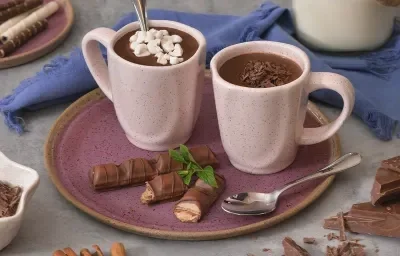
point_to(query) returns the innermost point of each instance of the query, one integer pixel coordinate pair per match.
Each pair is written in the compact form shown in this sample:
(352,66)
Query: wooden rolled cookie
(12,45)
(18,9)
(198,200)
(10,4)
(164,187)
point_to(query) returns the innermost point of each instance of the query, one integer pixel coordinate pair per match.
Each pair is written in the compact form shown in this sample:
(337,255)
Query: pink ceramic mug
(261,128)
(157,107)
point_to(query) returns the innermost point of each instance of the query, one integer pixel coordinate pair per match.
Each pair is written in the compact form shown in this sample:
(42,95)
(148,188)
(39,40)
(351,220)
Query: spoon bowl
(253,203)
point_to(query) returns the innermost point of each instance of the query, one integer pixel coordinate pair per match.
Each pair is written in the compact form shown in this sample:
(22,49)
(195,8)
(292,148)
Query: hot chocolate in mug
(157,106)
(262,128)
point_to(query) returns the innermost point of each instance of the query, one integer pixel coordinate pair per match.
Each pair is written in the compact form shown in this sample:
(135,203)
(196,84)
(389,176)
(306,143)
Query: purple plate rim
(75,108)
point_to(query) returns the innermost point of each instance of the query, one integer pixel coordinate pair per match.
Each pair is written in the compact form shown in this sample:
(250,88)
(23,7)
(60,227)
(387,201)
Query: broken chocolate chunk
(292,249)
(9,199)
(264,74)
(392,164)
(309,240)
(342,234)
(386,186)
(364,218)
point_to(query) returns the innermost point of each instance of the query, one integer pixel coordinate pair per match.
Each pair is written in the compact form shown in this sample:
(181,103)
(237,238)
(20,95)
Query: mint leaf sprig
(192,167)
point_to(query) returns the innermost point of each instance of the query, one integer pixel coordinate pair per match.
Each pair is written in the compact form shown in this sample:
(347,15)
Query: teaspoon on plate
(253,203)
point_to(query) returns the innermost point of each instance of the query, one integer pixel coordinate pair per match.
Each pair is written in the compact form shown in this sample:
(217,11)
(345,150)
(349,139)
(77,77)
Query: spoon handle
(140,7)
(341,164)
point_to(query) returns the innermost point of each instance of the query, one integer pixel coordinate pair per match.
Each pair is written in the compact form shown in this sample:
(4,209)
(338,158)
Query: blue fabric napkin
(375,75)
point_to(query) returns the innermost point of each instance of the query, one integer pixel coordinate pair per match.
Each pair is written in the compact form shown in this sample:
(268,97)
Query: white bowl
(24,177)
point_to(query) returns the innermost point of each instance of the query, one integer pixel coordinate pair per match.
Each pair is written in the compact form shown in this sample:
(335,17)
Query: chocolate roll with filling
(198,200)
(23,37)
(164,187)
(137,171)
(129,173)
(10,4)
(18,9)
(202,154)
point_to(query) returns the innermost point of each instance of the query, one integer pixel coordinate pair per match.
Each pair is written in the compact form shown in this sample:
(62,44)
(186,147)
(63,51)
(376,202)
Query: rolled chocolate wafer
(202,154)
(137,171)
(197,200)
(18,9)
(10,4)
(131,172)
(23,37)
(163,187)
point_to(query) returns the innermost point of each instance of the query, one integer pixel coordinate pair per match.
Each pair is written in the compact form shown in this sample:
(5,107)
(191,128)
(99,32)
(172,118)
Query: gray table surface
(51,222)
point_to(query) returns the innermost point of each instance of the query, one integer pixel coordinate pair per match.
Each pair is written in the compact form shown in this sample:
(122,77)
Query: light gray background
(52,223)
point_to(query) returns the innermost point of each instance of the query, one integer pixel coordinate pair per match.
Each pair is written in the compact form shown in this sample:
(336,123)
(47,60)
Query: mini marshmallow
(165,32)
(153,46)
(141,50)
(176,39)
(158,54)
(133,38)
(177,52)
(149,36)
(133,45)
(153,30)
(159,35)
(141,37)
(167,45)
(162,60)
(167,57)
(175,60)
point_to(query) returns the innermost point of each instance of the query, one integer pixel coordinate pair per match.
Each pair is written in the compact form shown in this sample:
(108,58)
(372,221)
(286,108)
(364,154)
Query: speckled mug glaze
(261,128)
(157,107)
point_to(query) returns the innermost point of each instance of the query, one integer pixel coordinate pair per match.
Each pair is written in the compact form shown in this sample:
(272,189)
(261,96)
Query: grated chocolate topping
(9,199)
(264,74)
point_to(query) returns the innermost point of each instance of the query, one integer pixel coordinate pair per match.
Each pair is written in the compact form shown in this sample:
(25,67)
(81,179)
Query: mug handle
(94,58)
(340,84)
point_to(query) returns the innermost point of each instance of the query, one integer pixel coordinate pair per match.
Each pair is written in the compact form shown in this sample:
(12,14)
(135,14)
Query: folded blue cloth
(374,75)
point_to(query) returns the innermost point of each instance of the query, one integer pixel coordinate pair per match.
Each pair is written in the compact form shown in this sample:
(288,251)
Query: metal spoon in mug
(141,12)
(253,203)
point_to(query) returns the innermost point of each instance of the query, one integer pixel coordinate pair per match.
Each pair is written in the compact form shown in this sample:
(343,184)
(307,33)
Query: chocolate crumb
(309,240)
(9,199)
(266,250)
(332,236)
(376,250)
(250,254)
(331,251)
(264,74)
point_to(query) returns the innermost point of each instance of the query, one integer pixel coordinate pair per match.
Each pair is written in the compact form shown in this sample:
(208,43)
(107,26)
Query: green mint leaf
(190,166)
(208,176)
(183,173)
(188,178)
(176,156)
(185,153)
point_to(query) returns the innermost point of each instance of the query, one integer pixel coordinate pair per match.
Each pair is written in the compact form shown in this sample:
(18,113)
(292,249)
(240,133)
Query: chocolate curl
(13,44)
(202,154)
(137,171)
(18,9)
(10,4)
(291,248)
(197,200)
(131,172)
(163,187)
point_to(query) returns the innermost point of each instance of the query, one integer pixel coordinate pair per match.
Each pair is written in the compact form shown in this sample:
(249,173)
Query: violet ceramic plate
(59,25)
(88,134)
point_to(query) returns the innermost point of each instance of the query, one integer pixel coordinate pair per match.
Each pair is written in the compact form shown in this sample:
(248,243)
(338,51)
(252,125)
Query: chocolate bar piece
(309,240)
(392,164)
(197,200)
(137,171)
(23,37)
(292,249)
(386,186)
(202,154)
(163,187)
(10,4)
(18,9)
(364,218)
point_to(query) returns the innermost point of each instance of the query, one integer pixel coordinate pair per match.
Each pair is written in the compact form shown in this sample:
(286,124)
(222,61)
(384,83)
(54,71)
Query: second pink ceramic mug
(157,107)
(262,128)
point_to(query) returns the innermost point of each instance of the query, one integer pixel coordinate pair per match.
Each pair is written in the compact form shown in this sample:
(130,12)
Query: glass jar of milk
(343,25)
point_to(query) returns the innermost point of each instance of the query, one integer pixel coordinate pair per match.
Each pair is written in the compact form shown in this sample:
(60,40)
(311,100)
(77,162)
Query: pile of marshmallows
(158,42)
